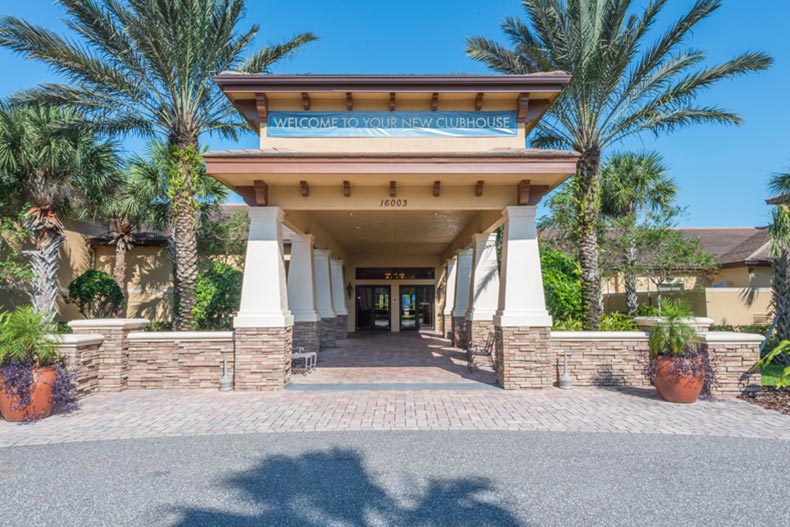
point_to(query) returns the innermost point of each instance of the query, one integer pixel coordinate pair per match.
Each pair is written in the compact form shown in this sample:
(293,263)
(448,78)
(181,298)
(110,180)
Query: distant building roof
(734,245)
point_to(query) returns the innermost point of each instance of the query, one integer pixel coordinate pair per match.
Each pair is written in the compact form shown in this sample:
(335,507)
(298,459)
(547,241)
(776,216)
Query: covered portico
(392,231)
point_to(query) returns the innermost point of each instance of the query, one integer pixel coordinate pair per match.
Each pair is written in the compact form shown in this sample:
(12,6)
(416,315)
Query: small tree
(666,254)
(225,237)
(96,294)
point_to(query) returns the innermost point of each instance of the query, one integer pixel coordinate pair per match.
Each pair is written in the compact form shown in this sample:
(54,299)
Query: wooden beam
(393,189)
(306,101)
(392,101)
(437,188)
(262,105)
(536,193)
(479,102)
(261,193)
(434,101)
(347,189)
(523,107)
(256,195)
(304,188)
(349,101)
(479,188)
(522,192)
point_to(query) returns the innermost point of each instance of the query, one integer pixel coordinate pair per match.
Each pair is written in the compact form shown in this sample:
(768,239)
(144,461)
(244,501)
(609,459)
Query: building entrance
(416,307)
(373,307)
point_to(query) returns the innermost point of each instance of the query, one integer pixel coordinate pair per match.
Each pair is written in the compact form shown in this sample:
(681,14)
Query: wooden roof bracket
(528,194)
(392,101)
(346,189)
(306,101)
(393,189)
(479,188)
(523,107)
(262,106)
(304,188)
(437,188)
(349,101)
(434,101)
(479,102)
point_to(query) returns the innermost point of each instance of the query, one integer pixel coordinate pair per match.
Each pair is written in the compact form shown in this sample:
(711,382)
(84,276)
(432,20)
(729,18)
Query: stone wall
(341,327)
(178,359)
(619,359)
(522,357)
(327,333)
(479,331)
(306,336)
(82,356)
(263,358)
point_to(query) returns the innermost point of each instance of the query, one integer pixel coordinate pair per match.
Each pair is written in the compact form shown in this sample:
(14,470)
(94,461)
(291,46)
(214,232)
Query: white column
(323,284)
(521,299)
(301,279)
(264,296)
(338,288)
(463,282)
(449,295)
(484,293)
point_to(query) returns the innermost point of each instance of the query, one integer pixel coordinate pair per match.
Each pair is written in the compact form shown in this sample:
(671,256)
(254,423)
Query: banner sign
(391,124)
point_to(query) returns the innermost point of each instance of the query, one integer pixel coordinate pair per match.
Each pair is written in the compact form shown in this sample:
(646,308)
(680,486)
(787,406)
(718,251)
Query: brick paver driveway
(400,358)
(413,383)
(162,413)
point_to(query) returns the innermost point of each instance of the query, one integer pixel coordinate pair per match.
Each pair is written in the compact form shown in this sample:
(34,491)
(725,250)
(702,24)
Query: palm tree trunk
(780,293)
(631,298)
(587,193)
(119,273)
(185,218)
(44,265)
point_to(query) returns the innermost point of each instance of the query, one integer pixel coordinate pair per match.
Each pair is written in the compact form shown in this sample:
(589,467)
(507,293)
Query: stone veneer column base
(522,357)
(447,332)
(478,331)
(460,338)
(307,336)
(341,327)
(262,358)
(327,333)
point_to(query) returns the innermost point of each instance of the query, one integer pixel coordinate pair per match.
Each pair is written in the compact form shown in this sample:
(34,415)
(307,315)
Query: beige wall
(148,280)
(739,306)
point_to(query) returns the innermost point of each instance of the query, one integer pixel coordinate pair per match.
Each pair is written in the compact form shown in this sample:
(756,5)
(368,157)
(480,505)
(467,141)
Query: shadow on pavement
(333,488)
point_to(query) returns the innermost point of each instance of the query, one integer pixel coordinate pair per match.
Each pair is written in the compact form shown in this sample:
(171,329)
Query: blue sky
(721,171)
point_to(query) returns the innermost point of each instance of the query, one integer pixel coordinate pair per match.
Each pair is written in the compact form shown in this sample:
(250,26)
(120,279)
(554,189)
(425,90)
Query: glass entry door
(373,307)
(416,306)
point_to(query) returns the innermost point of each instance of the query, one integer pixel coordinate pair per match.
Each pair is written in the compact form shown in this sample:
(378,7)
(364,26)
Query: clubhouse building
(389,189)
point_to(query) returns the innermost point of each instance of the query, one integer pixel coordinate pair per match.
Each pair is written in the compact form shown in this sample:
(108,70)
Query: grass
(771,374)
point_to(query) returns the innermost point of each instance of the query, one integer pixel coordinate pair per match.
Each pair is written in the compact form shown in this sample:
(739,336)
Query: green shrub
(616,322)
(562,285)
(569,324)
(96,294)
(218,293)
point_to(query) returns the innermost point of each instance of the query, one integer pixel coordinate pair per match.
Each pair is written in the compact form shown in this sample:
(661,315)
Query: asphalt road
(399,478)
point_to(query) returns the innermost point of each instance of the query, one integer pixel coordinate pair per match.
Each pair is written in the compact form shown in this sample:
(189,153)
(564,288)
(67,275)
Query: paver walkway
(161,413)
(395,358)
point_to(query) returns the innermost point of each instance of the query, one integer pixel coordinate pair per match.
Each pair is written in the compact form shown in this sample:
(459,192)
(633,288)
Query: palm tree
(779,185)
(622,85)
(633,185)
(146,68)
(150,179)
(58,168)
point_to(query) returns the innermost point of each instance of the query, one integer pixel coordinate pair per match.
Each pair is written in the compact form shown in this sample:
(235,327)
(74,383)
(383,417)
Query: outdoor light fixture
(226,382)
(349,290)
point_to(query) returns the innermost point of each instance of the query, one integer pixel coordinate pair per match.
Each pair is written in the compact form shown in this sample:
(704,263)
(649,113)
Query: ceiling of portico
(395,233)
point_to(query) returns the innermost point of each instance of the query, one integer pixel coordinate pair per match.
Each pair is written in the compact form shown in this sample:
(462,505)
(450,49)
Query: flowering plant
(26,344)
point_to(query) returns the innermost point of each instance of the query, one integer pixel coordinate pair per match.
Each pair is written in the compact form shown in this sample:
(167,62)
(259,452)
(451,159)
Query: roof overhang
(253,94)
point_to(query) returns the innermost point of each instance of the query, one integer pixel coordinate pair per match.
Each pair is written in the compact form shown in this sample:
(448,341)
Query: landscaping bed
(777,399)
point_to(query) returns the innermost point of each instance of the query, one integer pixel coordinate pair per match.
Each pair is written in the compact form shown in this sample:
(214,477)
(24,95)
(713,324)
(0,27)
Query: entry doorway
(416,307)
(373,308)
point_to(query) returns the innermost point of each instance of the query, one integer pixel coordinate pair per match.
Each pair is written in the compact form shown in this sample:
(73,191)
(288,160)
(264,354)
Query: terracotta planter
(40,398)
(677,388)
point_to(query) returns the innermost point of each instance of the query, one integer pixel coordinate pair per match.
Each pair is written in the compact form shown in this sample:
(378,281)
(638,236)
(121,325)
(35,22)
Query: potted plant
(679,366)
(33,375)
